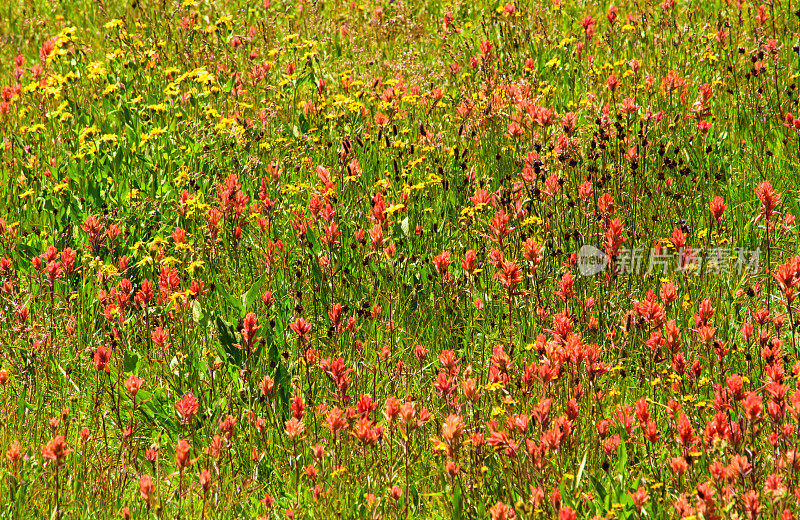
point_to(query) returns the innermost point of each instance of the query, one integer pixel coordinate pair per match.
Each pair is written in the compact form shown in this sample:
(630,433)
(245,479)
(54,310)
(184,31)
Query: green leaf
(358,505)
(156,408)
(598,488)
(307,79)
(273,356)
(130,363)
(414,496)
(228,337)
(227,87)
(458,504)
(283,382)
(233,302)
(580,472)
(118,160)
(253,293)
(304,124)
(197,312)
(316,271)
(622,462)
(22,406)
(312,239)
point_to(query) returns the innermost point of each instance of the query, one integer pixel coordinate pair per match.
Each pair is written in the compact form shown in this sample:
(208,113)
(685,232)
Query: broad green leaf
(228,337)
(458,504)
(236,303)
(622,461)
(130,362)
(197,311)
(253,293)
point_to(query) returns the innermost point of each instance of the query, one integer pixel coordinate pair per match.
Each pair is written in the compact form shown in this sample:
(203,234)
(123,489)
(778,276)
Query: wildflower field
(437,259)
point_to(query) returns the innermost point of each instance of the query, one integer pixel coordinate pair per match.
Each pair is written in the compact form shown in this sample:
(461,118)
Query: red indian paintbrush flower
(717,208)
(336,420)
(640,498)
(510,276)
(441,262)
(294,428)
(14,453)
(56,449)
(160,336)
(302,328)
(501,511)
(613,238)
(769,197)
(249,334)
(469,262)
(266,386)
(205,480)
(101,357)
(133,384)
(532,252)
(146,488)
(499,226)
(187,407)
(452,429)
(182,454)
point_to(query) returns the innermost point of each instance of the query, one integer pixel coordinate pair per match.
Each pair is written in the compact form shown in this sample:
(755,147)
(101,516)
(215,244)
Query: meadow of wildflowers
(399,259)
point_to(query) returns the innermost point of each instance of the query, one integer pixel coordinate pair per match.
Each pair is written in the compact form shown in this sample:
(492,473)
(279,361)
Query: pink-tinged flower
(302,328)
(469,262)
(611,15)
(753,406)
(101,357)
(146,488)
(501,511)
(640,498)
(266,385)
(294,428)
(532,252)
(205,480)
(441,262)
(452,429)
(182,454)
(762,16)
(567,513)
(151,455)
(499,226)
(613,238)
(768,196)
(392,409)
(752,504)
(14,453)
(365,432)
(612,82)
(678,465)
(160,336)
(56,449)
(717,208)
(187,407)
(133,384)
